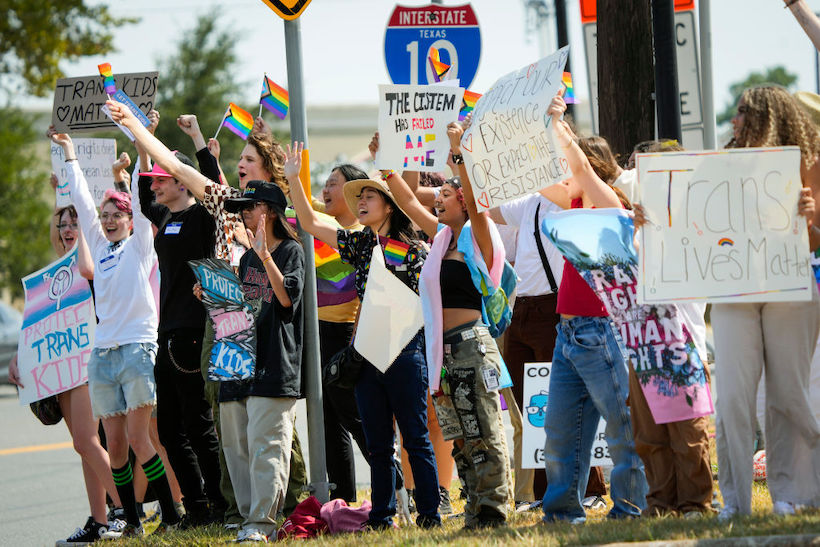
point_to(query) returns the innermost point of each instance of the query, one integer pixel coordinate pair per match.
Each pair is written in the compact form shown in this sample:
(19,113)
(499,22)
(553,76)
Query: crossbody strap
(544,262)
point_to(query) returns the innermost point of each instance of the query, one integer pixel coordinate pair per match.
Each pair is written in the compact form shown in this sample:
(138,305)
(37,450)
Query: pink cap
(155,171)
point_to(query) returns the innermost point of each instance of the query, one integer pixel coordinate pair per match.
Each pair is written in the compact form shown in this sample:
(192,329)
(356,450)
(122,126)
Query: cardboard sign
(413,126)
(78,101)
(233,356)
(391,315)
(509,149)
(724,227)
(57,334)
(96,157)
(659,343)
(536,395)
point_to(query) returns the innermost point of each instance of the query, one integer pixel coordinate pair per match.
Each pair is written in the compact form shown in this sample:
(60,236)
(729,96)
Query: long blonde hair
(774,118)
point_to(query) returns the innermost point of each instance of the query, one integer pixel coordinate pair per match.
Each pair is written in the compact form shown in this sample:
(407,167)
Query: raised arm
(598,192)
(478,221)
(118,171)
(190,177)
(807,19)
(405,197)
(307,216)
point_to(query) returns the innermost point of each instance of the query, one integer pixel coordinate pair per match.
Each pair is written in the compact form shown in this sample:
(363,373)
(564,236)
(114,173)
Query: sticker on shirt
(110,262)
(236,253)
(173,228)
(490,377)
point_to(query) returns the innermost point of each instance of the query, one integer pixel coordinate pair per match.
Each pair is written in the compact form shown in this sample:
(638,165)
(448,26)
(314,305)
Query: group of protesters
(226,452)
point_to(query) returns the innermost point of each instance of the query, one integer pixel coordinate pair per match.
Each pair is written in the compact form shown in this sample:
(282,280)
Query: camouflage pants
(469,411)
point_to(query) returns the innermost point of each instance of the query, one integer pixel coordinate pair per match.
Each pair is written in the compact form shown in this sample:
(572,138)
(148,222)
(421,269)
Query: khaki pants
(257,437)
(778,337)
(675,457)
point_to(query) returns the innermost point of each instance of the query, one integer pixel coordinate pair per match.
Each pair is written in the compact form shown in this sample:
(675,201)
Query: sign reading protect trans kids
(448,34)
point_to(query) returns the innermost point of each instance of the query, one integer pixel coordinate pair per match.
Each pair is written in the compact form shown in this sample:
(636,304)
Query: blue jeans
(399,392)
(589,379)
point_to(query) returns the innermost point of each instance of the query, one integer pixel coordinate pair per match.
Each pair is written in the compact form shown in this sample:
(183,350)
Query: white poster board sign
(536,395)
(413,126)
(391,315)
(723,227)
(96,157)
(509,149)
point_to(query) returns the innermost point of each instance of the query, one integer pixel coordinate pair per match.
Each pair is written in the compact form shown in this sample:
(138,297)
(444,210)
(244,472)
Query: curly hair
(772,117)
(273,157)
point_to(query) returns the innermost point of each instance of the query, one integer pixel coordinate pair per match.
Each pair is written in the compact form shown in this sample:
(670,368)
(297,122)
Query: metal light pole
(706,87)
(318,485)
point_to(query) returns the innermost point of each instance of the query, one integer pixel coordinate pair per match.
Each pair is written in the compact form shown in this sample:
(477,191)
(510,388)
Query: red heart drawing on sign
(468,144)
(486,202)
(529,69)
(564,164)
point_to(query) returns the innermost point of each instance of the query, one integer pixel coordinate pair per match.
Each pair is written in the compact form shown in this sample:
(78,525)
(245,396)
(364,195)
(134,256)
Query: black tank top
(457,289)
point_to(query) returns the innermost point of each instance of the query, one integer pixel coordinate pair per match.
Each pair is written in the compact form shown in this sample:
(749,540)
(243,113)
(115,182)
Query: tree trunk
(626,76)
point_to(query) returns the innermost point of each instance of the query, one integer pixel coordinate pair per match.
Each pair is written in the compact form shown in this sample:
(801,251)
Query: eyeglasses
(116,216)
(72,225)
(536,409)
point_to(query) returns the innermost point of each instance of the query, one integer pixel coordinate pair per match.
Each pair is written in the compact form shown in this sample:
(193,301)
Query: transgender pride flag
(55,287)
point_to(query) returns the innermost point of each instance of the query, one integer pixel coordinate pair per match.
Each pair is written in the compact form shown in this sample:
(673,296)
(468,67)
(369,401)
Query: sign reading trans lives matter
(413,126)
(58,330)
(233,356)
(723,227)
(509,149)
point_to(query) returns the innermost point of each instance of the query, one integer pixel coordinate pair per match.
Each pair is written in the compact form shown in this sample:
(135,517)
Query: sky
(343,44)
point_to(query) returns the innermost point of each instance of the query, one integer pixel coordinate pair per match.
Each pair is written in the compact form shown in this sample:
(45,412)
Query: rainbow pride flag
(335,280)
(274,98)
(439,68)
(108,78)
(569,94)
(467,104)
(238,121)
(394,251)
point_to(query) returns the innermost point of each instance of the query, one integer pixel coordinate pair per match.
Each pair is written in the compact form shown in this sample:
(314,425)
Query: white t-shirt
(123,298)
(520,214)
(627,181)
(692,316)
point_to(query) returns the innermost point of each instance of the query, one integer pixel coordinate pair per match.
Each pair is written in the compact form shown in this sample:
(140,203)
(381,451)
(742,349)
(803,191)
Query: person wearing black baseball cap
(258,415)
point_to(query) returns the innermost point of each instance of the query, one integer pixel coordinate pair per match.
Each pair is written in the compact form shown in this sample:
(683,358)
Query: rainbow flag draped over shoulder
(467,104)
(335,280)
(274,98)
(108,78)
(239,121)
(569,94)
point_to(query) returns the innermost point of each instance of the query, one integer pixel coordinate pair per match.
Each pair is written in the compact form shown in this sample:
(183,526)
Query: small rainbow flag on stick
(394,251)
(108,78)
(467,104)
(439,68)
(569,94)
(274,98)
(237,120)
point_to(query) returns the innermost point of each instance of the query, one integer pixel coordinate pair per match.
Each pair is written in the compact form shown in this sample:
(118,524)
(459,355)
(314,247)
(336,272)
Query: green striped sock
(124,481)
(158,481)
(123,475)
(153,468)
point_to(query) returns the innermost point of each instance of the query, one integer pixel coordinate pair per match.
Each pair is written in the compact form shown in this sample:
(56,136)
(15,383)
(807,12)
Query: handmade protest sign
(96,157)
(413,126)
(658,337)
(233,356)
(390,317)
(724,227)
(57,334)
(78,101)
(536,395)
(509,149)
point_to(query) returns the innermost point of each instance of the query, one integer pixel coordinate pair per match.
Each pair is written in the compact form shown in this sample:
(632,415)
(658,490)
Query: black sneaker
(445,506)
(88,534)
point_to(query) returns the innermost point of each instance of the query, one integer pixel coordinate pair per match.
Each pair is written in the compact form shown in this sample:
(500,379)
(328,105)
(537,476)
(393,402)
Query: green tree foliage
(24,245)
(36,36)
(776,75)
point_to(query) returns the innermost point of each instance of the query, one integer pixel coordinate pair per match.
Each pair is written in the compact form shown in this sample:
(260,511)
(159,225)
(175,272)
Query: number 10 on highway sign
(413,33)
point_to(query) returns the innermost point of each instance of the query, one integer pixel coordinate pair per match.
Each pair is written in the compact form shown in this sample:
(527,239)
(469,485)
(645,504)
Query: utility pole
(625,74)
(667,96)
(706,86)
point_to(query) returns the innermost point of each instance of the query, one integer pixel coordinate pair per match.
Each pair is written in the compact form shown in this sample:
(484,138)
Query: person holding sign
(121,367)
(589,372)
(778,337)
(463,361)
(401,390)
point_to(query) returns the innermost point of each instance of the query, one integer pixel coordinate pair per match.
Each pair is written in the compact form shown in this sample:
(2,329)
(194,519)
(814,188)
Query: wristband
(70,159)
(458,159)
(790,3)
(269,257)
(389,174)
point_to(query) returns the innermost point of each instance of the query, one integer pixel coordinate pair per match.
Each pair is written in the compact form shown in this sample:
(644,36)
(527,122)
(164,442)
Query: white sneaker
(727,513)
(251,534)
(784,508)
(594,502)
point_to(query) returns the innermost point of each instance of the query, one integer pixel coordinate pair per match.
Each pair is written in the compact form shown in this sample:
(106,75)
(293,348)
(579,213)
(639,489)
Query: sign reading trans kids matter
(233,356)
(509,149)
(428,44)
(723,227)
(413,126)
(58,330)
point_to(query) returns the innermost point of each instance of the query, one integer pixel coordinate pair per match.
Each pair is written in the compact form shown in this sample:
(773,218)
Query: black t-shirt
(278,371)
(182,236)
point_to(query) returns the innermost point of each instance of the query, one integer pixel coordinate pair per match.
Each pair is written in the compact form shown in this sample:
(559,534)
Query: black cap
(258,190)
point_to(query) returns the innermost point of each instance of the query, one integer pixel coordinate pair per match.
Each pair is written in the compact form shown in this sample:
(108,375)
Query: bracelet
(389,174)
(790,3)
(458,159)
(269,257)
(70,159)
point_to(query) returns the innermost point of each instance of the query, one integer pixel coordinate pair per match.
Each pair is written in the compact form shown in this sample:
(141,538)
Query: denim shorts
(121,378)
